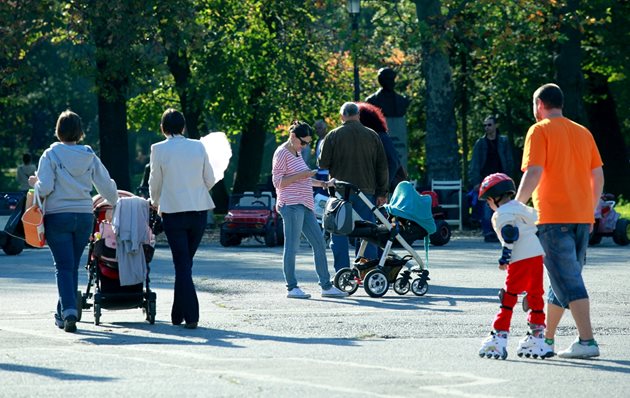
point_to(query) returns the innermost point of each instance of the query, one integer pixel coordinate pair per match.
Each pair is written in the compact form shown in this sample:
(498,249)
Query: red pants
(522,276)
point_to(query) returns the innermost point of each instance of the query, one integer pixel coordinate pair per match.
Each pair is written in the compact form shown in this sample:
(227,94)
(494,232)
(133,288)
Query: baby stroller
(103,272)
(408,218)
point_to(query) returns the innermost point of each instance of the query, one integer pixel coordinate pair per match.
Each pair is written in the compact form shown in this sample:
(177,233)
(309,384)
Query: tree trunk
(464,108)
(112,82)
(189,98)
(250,150)
(112,127)
(192,103)
(442,151)
(177,61)
(508,126)
(607,132)
(568,62)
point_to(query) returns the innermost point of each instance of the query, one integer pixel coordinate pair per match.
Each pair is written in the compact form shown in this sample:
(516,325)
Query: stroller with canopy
(407,218)
(104,275)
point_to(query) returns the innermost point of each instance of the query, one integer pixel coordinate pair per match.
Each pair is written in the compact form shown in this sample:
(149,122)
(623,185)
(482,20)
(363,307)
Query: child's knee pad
(507,299)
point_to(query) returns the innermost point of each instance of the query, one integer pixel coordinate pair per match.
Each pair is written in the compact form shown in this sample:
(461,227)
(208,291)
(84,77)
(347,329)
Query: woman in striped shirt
(294,188)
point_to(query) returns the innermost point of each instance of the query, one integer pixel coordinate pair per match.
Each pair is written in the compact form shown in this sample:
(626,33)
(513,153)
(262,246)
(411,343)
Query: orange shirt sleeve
(535,149)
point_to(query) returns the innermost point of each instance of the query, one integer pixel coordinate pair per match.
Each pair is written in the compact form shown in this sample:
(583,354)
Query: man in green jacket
(355,154)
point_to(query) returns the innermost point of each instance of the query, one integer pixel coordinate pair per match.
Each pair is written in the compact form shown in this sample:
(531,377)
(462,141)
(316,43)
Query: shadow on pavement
(165,333)
(605,365)
(59,374)
(398,303)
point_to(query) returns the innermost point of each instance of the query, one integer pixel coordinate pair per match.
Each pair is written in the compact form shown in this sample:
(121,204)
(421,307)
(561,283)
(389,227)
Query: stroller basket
(391,268)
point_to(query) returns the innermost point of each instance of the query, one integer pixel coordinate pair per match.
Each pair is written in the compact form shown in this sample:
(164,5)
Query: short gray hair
(349,109)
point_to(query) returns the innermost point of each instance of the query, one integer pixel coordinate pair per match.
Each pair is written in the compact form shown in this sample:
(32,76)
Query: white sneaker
(577,350)
(333,292)
(494,347)
(297,293)
(534,347)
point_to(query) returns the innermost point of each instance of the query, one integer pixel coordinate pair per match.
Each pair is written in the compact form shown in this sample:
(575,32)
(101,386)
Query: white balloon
(219,152)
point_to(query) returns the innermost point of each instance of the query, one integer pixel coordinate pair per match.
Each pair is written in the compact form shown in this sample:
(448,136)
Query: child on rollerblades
(522,258)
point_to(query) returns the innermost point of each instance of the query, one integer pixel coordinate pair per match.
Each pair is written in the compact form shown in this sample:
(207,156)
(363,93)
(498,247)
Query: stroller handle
(344,188)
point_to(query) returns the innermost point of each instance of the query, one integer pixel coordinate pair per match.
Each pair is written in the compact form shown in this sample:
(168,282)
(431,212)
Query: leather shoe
(191,325)
(70,324)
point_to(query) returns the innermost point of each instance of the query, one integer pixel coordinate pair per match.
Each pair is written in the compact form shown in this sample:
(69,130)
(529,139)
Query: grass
(623,208)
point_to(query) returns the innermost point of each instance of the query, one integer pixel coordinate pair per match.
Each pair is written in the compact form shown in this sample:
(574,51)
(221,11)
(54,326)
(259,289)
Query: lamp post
(354,7)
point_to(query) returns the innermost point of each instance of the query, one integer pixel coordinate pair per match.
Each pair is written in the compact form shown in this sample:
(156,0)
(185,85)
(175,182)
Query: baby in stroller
(408,218)
(120,251)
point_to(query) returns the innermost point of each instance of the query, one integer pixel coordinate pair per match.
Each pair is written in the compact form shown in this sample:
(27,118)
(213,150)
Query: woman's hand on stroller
(329,183)
(381,200)
(329,186)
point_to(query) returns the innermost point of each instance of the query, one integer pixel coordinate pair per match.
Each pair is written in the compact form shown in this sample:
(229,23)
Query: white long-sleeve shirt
(181,176)
(524,217)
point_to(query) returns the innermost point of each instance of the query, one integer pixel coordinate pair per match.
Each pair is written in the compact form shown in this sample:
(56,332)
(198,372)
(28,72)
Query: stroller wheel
(419,287)
(79,305)
(375,283)
(151,310)
(345,280)
(402,285)
(97,314)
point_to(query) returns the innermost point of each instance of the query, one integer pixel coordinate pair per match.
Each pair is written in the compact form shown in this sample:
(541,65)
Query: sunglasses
(487,125)
(302,142)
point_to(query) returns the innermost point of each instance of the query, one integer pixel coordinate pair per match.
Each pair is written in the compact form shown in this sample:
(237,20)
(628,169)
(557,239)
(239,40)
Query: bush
(7,180)
(623,207)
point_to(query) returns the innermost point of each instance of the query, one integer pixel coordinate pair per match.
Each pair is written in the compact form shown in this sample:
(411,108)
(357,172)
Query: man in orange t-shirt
(564,178)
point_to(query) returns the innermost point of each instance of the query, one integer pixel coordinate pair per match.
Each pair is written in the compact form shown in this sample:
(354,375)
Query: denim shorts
(565,255)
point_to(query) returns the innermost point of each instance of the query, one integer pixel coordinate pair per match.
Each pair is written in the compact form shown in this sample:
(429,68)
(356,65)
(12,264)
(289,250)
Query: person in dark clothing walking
(492,153)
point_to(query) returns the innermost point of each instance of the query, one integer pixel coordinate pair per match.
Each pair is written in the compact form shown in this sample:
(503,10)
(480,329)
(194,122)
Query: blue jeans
(67,235)
(299,219)
(339,243)
(486,220)
(565,254)
(184,232)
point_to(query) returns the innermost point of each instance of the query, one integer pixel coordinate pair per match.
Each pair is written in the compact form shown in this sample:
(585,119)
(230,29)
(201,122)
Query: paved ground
(254,342)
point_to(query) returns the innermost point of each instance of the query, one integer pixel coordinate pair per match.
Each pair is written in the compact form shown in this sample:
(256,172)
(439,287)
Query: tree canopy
(250,67)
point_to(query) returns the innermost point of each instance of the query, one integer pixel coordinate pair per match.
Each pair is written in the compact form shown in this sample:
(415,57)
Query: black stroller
(407,218)
(103,273)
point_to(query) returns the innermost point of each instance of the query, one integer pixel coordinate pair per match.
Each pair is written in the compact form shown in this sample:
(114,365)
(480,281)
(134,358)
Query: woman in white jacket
(179,185)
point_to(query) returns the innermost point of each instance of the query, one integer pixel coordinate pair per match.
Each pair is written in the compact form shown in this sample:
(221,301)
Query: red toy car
(609,223)
(252,215)
(443,233)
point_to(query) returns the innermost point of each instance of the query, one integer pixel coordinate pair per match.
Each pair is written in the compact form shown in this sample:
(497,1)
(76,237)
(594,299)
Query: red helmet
(496,185)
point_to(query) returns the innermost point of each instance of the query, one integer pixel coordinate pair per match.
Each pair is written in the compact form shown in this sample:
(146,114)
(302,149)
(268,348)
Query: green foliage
(285,59)
(623,207)
(7,180)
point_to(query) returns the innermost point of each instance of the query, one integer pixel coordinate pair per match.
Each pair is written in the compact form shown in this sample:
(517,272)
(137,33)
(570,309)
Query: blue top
(393,159)
(407,203)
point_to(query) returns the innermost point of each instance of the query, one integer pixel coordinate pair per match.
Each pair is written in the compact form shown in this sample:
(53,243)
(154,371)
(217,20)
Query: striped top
(298,193)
